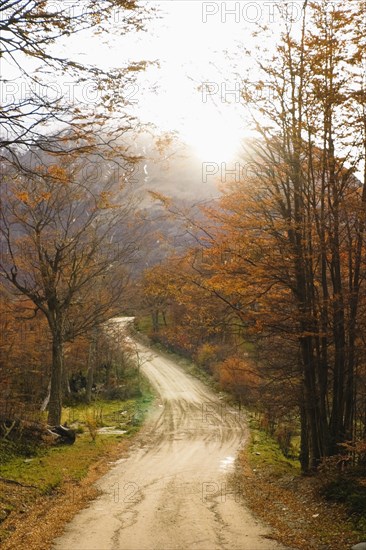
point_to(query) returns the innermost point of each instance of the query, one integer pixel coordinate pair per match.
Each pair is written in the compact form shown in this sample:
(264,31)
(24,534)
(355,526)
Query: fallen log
(17,429)
(65,435)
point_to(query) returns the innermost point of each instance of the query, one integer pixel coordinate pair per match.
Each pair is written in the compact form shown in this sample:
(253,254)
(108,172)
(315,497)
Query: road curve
(173,492)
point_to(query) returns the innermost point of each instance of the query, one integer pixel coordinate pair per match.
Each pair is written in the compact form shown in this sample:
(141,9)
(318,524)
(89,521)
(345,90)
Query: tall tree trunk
(304,439)
(47,398)
(311,405)
(355,285)
(55,404)
(338,401)
(155,320)
(65,381)
(91,368)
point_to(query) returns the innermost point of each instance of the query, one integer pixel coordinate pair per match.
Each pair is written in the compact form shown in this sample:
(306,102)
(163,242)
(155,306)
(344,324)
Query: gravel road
(174,490)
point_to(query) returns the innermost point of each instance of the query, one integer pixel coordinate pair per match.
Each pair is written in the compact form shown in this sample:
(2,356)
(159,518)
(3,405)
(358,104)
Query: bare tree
(33,106)
(67,240)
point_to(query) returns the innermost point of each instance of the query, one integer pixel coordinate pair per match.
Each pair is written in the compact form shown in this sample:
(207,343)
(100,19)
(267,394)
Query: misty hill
(172,169)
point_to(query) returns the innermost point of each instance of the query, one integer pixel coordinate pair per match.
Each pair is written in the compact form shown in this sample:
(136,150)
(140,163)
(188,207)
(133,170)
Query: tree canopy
(39,97)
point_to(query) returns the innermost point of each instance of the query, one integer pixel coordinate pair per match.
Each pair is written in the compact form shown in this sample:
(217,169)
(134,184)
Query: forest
(270,298)
(265,293)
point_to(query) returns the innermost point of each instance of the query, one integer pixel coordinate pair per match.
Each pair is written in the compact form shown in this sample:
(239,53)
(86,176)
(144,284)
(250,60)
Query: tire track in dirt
(173,492)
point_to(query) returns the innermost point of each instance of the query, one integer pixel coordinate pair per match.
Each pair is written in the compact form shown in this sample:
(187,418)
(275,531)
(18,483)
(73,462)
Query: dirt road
(173,491)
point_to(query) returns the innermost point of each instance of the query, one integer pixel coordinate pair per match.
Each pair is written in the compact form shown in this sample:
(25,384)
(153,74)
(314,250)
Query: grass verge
(289,502)
(38,480)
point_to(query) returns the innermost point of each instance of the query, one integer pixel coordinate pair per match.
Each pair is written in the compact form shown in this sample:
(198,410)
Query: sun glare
(211,127)
(215,136)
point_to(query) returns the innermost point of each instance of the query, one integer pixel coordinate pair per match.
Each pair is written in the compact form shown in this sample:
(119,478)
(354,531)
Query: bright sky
(194,91)
(198,56)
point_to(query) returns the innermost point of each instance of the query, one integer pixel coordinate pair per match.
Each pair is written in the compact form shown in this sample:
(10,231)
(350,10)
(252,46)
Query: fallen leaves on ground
(292,506)
(35,525)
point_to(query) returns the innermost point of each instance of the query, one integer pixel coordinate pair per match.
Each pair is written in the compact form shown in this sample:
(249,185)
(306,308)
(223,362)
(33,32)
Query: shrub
(238,376)
(206,356)
(284,434)
(91,424)
(347,491)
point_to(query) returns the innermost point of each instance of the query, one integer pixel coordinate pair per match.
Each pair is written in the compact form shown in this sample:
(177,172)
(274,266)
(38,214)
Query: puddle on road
(111,431)
(227,464)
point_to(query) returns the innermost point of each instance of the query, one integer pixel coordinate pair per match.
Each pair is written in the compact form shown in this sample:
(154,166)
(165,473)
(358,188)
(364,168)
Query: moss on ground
(265,453)
(28,472)
(294,506)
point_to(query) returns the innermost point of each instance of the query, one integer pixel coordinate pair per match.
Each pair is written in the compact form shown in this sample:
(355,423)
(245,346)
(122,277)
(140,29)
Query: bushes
(347,491)
(11,449)
(121,393)
(238,375)
(175,340)
(344,481)
(206,356)
(284,434)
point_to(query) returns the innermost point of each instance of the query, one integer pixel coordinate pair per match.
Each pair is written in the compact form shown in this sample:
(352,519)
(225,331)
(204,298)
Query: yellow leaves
(206,354)
(33,200)
(105,201)
(166,201)
(58,173)
(23,197)
(97,19)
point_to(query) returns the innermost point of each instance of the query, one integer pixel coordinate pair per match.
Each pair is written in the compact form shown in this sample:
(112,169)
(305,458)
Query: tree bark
(65,381)
(47,398)
(91,369)
(55,404)
(155,320)
(304,440)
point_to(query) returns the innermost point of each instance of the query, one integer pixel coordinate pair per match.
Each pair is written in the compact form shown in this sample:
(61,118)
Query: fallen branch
(17,483)
(7,429)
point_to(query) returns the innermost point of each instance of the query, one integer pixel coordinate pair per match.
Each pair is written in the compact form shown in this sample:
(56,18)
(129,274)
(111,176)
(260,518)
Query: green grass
(48,468)
(39,471)
(103,413)
(144,324)
(265,453)
(45,468)
(115,412)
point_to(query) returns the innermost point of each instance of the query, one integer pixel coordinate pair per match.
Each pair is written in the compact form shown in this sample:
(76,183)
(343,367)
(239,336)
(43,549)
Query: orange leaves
(58,173)
(24,353)
(104,200)
(32,200)
(23,196)
(34,192)
(236,373)
(159,197)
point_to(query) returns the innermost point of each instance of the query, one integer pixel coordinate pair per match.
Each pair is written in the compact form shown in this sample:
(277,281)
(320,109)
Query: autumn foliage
(280,263)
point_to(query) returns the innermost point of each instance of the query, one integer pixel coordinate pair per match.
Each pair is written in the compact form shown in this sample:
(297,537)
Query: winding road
(174,491)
